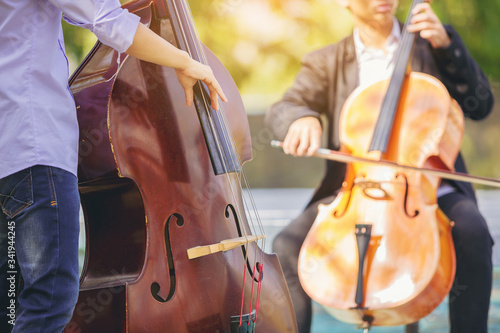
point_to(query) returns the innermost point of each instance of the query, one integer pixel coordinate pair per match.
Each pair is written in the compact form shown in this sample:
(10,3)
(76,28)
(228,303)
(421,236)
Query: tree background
(261,43)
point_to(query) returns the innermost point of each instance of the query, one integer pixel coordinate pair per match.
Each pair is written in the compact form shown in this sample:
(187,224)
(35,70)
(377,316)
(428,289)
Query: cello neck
(383,128)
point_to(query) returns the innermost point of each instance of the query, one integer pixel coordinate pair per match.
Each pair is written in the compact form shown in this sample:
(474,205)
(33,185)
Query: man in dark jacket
(326,79)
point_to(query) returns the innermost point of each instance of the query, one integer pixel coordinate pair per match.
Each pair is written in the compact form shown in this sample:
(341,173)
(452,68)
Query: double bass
(381,253)
(169,247)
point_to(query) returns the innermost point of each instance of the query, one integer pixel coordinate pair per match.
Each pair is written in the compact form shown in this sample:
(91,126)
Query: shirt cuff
(115,28)
(119,32)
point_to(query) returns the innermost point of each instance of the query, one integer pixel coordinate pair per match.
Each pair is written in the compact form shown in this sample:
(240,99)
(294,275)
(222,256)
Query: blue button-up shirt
(38,122)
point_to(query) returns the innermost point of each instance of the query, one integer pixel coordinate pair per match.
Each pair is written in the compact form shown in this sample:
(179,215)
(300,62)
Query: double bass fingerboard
(218,139)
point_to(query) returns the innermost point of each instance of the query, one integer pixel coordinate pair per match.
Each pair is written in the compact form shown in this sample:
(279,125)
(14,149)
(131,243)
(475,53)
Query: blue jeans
(40,222)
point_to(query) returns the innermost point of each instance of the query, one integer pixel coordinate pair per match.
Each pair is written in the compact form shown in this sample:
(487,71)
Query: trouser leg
(469,298)
(287,245)
(43,203)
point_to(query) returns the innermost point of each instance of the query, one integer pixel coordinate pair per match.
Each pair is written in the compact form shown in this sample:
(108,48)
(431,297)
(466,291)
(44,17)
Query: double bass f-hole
(230,208)
(163,146)
(155,286)
(179,221)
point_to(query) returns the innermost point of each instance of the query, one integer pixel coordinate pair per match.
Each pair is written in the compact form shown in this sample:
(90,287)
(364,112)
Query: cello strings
(203,57)
(390,103)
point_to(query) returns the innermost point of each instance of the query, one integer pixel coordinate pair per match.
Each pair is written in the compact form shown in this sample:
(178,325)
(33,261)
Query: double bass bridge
(225,245)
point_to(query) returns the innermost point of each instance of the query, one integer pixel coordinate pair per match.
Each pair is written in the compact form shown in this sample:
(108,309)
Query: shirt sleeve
(113,26)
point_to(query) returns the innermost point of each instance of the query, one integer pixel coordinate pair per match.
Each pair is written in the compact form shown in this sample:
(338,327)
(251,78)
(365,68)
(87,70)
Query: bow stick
(347,158)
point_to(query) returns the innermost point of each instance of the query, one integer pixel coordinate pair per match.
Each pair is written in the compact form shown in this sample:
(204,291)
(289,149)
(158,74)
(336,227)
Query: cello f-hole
(416,212)
(337,213)
(155,286)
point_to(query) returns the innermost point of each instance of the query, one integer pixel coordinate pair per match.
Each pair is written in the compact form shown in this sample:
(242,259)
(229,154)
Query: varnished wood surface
(277,207)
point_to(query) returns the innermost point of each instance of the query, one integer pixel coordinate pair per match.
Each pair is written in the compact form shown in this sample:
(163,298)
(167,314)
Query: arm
(150,47)
(461,75)
(122,31)
(296,118)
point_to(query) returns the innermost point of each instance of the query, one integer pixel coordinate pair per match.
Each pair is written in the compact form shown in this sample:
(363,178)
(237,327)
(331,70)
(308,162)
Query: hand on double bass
(195,71)
(150,47)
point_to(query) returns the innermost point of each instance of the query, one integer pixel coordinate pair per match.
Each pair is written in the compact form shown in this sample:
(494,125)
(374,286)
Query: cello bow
(333,155)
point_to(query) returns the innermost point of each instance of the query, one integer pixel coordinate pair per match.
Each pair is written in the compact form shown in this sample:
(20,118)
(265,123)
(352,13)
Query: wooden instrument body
(149,194)
(410,261)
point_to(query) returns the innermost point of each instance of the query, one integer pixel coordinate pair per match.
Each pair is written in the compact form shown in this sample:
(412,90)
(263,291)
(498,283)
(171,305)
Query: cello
(168,244)
(382,252)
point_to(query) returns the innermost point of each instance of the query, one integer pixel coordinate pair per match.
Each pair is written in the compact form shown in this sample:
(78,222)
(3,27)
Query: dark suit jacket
(329,75)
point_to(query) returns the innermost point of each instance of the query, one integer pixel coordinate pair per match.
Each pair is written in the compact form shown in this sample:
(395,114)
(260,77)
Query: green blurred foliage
(261,43)
(78,43)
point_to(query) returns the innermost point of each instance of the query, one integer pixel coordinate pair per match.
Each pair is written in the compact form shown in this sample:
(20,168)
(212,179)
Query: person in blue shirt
(39,200)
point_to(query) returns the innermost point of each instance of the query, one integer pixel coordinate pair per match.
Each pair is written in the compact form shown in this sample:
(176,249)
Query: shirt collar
(391,42)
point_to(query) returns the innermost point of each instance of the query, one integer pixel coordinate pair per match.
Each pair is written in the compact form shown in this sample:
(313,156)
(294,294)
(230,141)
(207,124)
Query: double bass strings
(241,176)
